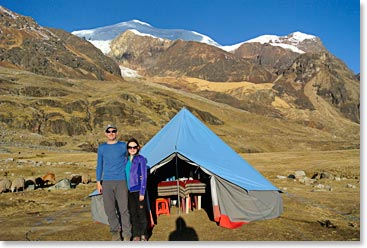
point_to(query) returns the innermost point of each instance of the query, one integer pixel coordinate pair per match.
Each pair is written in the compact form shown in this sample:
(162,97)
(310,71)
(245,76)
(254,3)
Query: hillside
(25,45)
(71,114)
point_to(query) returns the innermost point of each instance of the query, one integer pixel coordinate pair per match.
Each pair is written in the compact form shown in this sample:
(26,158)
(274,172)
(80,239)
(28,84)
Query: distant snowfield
(127,72)
(143,34)
(103,45)
(289,47)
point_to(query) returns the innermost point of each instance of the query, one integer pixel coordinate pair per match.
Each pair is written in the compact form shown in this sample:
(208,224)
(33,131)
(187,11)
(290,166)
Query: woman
(136,175)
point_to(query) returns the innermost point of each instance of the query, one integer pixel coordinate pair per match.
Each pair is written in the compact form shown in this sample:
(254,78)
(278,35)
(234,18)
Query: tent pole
(178,185)
(178,189)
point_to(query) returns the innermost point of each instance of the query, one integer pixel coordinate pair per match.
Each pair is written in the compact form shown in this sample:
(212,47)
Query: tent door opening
(179,169)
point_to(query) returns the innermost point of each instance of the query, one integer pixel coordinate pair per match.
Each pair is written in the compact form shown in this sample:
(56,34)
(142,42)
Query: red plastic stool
(161,206)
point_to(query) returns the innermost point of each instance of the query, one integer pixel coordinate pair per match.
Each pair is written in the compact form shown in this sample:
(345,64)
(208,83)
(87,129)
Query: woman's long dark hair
(137,143)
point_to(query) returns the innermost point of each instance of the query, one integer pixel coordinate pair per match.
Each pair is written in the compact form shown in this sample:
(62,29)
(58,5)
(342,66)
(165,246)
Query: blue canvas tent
(239,193)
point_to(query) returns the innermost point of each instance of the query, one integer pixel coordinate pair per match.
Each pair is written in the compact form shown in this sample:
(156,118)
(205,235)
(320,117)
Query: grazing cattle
(17,184)
(75,179)
(5,185)
(86,178)
(39,182)
(30,183)
(49,178)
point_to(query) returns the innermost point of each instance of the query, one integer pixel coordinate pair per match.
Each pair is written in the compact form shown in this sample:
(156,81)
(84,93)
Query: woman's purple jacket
(138,174)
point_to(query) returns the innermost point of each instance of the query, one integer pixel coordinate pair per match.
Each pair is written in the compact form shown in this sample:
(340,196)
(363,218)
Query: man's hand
(99,187)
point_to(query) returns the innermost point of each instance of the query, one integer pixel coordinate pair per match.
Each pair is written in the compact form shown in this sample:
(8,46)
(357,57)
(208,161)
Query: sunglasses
(132,147)
(112,131)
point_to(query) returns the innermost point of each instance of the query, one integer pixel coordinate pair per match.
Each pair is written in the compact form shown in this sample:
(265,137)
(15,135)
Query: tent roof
(187,135)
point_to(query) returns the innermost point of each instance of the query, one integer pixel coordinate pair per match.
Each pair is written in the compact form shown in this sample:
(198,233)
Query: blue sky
(335,22)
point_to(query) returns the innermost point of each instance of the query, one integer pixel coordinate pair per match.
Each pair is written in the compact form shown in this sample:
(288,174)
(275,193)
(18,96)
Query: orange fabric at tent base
(224,220)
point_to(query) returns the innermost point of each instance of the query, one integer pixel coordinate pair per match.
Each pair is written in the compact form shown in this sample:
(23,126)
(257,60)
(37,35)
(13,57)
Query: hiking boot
(143,238)
(116,236)
(137,238)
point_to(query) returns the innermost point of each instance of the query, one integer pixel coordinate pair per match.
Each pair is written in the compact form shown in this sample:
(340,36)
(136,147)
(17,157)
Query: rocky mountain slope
(152,56)
(153,52)
(289,63)
(274,52)
(26,45)
(320,81)
(71,114)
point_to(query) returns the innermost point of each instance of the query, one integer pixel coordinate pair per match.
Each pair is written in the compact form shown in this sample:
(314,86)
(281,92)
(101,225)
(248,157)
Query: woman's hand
(141,198)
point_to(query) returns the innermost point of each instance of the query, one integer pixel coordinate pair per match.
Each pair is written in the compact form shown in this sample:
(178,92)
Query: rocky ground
(326,209)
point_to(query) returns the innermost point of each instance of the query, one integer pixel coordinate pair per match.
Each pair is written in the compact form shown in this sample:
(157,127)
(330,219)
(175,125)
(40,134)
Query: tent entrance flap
(246,206)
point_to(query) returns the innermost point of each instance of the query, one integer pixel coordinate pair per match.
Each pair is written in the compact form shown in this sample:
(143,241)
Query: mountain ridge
(52,52)
(108,33)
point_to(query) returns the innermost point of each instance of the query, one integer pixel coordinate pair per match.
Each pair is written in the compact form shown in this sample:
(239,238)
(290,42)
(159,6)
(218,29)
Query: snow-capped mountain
(101,37)
(291,42)
(294,38)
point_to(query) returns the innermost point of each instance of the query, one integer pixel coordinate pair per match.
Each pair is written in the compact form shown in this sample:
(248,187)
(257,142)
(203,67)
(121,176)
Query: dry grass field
(310,213)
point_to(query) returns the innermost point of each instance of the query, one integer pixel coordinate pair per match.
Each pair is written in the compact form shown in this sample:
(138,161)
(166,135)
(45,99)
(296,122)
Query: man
(111,183)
